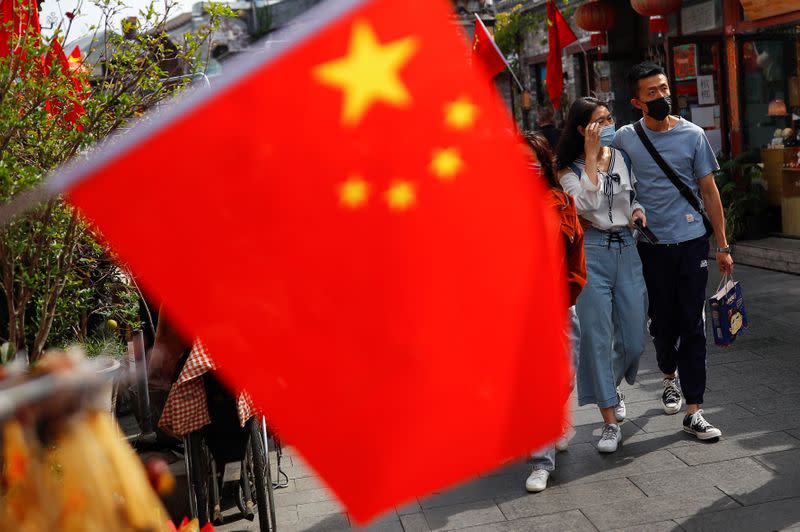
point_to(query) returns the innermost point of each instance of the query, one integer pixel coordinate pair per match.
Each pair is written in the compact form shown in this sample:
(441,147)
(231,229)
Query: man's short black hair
(643,70)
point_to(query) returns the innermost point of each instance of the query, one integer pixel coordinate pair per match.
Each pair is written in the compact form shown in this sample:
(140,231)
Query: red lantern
(598,17)
(656,10)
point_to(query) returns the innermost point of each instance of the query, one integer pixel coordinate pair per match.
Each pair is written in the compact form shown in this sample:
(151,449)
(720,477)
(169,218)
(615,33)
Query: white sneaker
(620,412)
(537,481)
(563,442)
(610,440)
(671,398)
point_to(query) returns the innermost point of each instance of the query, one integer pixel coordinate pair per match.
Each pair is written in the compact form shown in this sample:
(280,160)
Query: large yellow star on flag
(369,73)
(446,163)
(461,113)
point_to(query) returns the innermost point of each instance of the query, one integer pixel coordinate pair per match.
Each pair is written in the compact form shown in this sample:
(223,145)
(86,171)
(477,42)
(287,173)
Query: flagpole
(586,62)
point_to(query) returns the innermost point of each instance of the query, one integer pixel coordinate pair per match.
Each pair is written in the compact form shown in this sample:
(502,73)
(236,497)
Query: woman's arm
(586,194)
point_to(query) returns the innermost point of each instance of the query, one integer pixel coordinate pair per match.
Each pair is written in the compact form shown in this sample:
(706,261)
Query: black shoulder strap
(685,191)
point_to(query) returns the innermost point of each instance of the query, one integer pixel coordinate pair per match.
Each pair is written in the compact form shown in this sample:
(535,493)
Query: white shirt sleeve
(586,194)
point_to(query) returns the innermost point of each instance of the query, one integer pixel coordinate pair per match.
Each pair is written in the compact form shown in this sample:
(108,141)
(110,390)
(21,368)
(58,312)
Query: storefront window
(699,87)
(770,69)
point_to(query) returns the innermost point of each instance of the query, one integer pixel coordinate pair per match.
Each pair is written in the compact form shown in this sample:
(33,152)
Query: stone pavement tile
(771,403)
(388,523)
(314,509)
(463,515)
(286,515)
(302,497)
(412,507)
(741,396)
(782,383)
(653,509)
(572,521)
(308,483)
(784,462)
(558,499)
(660,526)
(615,465)
(298,471)
(779,351)
(715,414)
(732,355)
(576,453)
(414,523)
(760,424)
(769,516)
(729,449)
(318,523)
(476,490)
(794,432)
(766,366)
(733,477)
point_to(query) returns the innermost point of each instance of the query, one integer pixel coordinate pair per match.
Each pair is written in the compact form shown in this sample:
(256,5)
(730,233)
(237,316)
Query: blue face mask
(607,135)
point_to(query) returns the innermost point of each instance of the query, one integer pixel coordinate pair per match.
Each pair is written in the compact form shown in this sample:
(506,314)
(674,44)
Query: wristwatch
(726,249)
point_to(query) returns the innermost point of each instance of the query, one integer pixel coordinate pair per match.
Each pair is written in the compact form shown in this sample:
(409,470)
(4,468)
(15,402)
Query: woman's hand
(638,214)
(591,144)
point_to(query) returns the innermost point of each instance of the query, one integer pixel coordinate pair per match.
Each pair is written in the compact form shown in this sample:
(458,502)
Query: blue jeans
(545,458)
(612,310)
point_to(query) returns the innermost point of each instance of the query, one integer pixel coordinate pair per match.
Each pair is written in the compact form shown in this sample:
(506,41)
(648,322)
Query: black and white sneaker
(671,397)
(697,425)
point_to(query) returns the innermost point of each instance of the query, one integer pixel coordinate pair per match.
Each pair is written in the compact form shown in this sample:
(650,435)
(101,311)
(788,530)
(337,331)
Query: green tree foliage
(58,283)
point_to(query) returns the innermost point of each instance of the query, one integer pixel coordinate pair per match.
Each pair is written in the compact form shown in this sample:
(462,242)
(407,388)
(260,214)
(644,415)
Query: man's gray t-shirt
(686,149)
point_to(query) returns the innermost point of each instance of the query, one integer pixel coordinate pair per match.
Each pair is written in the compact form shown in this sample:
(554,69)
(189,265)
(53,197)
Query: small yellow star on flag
(461,113)
(401,195)
(353,192)
(369,73)
(446,163)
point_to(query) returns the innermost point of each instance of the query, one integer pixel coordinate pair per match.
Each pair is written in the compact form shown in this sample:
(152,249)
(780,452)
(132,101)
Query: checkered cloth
(186,409)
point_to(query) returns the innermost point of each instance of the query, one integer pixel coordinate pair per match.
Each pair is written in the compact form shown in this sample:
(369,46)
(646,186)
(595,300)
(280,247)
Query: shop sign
(705,90)
(685,61)
(696,18)
(758,9)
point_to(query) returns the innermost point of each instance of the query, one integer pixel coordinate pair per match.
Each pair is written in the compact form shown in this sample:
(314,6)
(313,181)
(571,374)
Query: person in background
(574,265)
(612,306)
(547,127)
(676,268)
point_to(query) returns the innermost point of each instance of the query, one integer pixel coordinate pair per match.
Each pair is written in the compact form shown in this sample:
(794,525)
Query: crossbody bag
(682,187)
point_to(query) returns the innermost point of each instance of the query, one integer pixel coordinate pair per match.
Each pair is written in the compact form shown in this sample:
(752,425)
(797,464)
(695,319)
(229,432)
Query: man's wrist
(724,249)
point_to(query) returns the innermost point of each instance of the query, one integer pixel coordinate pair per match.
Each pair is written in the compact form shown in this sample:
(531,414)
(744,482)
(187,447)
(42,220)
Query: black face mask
(659,108)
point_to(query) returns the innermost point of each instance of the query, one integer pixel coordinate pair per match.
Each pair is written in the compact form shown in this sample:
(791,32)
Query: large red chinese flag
(350,227)
(485,51)
(559,36)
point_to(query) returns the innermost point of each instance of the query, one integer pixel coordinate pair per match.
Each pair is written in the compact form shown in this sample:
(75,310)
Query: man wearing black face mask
(676,268)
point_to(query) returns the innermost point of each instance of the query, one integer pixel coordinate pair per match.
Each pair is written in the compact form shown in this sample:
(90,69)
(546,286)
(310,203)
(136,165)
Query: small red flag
(19,19)
(78,93)
(559,36)
(327,222)
(485,51)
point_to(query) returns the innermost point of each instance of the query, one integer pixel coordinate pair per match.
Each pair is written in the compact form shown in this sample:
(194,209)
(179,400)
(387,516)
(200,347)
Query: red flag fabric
(485,51)
(329,222)
(18,18)
(559,36)
(79,91)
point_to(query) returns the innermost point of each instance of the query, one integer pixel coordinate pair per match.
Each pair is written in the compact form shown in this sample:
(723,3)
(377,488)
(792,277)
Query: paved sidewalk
(661,479)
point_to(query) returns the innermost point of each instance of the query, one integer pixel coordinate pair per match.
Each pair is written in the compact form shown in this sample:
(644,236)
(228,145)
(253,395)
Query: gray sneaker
(620,412)
(610,440)
(671,398)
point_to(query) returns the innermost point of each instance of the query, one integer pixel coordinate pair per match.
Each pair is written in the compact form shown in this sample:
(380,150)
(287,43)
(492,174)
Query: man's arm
(713,205)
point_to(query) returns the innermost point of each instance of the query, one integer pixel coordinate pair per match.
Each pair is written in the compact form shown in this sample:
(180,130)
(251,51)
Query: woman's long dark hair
(547,161)
(570,145)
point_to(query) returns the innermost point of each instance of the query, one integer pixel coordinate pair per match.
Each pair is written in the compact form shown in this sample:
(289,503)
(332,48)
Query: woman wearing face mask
(612,307)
